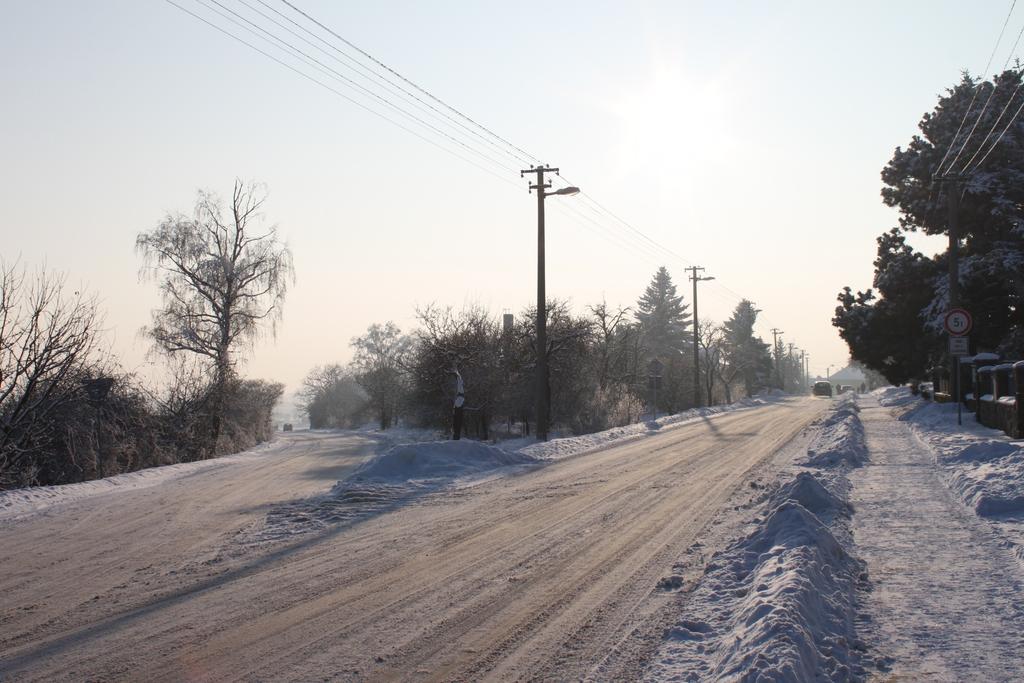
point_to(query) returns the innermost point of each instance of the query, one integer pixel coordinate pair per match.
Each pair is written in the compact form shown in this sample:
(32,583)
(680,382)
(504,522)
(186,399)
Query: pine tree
(747,356)
(663,317)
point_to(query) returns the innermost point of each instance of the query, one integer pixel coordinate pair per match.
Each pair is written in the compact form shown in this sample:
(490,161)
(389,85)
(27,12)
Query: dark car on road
(822,389)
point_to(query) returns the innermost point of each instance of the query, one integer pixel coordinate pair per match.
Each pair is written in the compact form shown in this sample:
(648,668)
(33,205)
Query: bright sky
(747,137)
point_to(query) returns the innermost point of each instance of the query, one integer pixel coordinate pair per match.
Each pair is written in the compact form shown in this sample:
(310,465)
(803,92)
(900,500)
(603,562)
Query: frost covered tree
(47,339)
(222,276)
(663,317)
(332,398)
(895,328)
(886,330)
(747,357)
(380,360)
(711,339)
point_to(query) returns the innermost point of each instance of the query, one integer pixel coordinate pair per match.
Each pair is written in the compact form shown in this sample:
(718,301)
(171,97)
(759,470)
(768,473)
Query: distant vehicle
(822,389)
(843,388)
(287,427)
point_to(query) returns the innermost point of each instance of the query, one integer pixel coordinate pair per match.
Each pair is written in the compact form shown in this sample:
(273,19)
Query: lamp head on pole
(565,190)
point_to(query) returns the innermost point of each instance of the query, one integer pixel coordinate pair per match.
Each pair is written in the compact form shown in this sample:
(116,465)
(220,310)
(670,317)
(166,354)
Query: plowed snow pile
(840,439)
(386,481)
(778,604)
(437,460)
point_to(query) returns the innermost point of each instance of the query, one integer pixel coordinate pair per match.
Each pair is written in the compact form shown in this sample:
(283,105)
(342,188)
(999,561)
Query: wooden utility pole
(775,343)
(542,314)
(954,241)
(696,333)
(541,396)
(953,259)
(789,357)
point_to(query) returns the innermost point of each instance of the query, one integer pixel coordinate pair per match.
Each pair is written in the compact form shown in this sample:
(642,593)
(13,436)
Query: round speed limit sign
(958,322)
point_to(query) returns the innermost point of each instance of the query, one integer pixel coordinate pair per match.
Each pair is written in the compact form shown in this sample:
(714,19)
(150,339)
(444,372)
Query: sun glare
(674,124)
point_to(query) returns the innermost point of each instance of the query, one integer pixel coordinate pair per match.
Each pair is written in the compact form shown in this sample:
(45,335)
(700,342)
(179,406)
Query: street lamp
(568,191)
(542,314)
(696,332)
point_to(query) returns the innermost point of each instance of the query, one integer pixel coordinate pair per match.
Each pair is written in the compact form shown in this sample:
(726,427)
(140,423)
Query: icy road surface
(536,574)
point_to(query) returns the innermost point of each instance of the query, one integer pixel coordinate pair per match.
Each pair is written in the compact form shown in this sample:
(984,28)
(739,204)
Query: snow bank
(778,604)
(982,465)
(434,461)
(894,396)
(809,492)
(384,482)
(840,439)
(775,605)
(573,445)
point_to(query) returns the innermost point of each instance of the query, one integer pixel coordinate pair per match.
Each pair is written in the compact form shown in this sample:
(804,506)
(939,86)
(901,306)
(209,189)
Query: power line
(975,96)
(584,195)
(333,73)
(996,124)
(414,85)
(339,93)
(999,139)
(377,78)
(604,214)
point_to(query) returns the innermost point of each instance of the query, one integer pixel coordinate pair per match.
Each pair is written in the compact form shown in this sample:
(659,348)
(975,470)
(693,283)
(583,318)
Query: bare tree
(221,279)
(331,397)
(380,362)
(469,342)
(46,339)
(712,358)
(611,350)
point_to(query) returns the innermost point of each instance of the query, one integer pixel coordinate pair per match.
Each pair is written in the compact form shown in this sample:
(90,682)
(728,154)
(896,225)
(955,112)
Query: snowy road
(534,575)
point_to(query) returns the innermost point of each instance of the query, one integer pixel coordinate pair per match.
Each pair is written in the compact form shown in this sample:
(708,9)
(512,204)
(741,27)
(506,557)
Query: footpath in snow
(981,465)
(947,598)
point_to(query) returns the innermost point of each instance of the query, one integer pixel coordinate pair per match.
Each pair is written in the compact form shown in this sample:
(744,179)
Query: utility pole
(789,358)
(807,370)
(696,333)
(954,240)
(954,279)
(542,314)
(775,342)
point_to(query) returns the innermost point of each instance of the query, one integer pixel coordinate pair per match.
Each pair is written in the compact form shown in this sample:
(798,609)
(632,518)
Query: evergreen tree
(896,329)
(886,332)
(746,355)
(663,317)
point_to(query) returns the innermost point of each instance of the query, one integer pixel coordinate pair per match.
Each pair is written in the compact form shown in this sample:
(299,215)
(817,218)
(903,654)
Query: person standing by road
(460,402)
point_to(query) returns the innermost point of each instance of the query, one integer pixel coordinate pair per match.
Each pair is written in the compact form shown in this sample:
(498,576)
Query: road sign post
(654,377)
(958,347)
(958,323)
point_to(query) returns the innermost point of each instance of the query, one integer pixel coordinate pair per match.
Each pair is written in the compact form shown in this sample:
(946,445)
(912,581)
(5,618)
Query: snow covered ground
(417,466)
(387,480)
(778,603)
(574,445)
(20,502)
(26,501)
(946,598)
(983,466)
